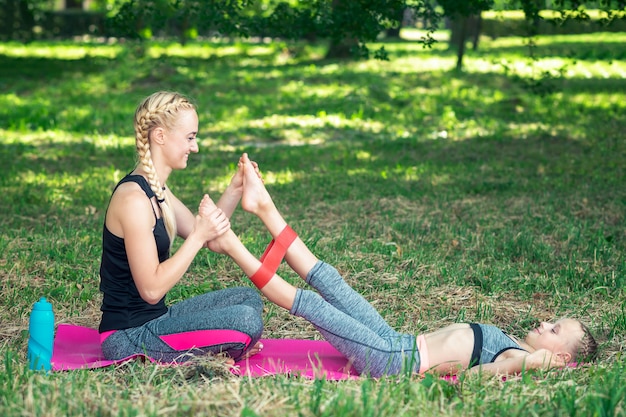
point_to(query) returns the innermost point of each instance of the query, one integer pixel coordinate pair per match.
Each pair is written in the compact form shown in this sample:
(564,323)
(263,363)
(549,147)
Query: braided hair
(588,347)
(158,110)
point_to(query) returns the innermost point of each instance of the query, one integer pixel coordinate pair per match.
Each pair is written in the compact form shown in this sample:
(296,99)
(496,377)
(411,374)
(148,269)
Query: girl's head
(568,338)
(157,118)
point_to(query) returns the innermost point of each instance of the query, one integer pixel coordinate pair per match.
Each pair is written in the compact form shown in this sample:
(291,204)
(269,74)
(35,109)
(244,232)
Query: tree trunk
(476,30)
(395,31)
(461,46)
(73,4)
(342,49)
(461,29)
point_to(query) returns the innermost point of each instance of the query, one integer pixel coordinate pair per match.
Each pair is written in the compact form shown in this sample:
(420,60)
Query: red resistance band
(273,256)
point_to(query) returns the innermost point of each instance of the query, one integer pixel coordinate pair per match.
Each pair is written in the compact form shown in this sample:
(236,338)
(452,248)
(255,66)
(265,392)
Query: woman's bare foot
(255,197)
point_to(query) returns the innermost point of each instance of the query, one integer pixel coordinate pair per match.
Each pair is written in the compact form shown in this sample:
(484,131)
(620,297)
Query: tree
(348,25)
(465,18)
(17,19)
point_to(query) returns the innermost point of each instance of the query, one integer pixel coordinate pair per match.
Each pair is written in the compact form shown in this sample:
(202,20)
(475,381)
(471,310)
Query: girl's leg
(321,276)
(370,352)
(332,287)
(353,326)
(256,200)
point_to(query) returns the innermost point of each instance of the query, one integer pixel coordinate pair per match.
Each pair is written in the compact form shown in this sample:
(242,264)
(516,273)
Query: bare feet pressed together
(255,200)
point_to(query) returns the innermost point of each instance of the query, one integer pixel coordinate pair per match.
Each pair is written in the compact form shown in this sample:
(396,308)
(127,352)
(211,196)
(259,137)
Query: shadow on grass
(45,69)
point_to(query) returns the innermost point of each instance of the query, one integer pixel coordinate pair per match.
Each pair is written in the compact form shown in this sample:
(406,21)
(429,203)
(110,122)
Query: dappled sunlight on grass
(37,138)
(281,177)
(60,189)
(603,100)
(321,121)
(299,87)
(440,179)
(424,64)
(11,100)
(528,68)
(50,138)
(61,50)
(364,155)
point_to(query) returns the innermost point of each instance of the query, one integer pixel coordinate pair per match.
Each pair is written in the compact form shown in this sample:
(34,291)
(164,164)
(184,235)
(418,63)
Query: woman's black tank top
(122,306)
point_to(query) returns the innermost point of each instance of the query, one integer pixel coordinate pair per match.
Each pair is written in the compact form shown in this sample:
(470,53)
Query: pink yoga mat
(78,347)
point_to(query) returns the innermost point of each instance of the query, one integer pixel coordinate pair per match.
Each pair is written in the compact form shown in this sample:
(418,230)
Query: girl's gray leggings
(353,326)
(227,320)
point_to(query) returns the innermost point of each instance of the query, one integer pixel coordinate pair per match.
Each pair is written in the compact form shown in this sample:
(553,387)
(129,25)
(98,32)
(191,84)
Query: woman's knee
(252,321)
(254,298)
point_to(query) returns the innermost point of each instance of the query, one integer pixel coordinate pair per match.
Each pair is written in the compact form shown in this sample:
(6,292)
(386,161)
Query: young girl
(356,329)
(137,271)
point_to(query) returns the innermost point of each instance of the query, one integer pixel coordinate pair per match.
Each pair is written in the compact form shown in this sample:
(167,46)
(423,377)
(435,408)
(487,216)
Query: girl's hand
(544,359)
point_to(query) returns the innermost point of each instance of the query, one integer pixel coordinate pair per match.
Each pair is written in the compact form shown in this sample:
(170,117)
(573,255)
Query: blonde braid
(158,110)
(588,347)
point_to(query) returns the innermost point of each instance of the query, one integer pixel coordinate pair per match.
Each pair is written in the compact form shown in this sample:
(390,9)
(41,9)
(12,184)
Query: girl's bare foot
(219,244)
(237,179)
(255,197)
(206,206)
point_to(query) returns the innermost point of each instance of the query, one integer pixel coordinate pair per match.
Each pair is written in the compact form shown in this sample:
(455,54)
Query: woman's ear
(158,135)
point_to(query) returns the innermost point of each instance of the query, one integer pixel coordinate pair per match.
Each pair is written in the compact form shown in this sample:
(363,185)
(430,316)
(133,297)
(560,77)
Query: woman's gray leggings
(353,326)
(227,320)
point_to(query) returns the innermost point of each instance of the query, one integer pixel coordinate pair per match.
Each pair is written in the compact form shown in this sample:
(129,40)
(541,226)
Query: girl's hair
(158,110)
(588,347)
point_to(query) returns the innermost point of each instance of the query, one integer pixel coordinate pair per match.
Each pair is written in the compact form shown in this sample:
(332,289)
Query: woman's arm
(185,219)
(131,211)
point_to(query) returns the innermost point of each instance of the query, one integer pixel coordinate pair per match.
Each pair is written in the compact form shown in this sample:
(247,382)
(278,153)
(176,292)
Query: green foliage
(465,8)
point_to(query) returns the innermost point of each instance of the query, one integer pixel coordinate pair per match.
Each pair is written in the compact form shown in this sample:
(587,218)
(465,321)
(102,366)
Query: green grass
(441,197)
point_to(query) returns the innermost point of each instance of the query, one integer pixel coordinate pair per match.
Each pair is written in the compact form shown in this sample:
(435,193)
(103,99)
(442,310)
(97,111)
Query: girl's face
(180,140)
(562,336)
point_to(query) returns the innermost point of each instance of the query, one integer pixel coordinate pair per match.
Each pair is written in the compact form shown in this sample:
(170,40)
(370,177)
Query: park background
(492,191)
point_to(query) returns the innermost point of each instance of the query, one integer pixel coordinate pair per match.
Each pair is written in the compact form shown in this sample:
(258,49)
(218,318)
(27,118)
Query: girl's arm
(519,361)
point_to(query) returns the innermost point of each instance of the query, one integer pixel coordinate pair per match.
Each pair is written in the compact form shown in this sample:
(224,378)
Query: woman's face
(181,139)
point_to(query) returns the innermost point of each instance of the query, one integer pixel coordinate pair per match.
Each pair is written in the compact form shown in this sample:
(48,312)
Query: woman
(137,271)
(355,328)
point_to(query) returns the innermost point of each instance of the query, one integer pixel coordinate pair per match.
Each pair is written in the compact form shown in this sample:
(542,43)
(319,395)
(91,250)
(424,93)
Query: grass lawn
(495,195)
